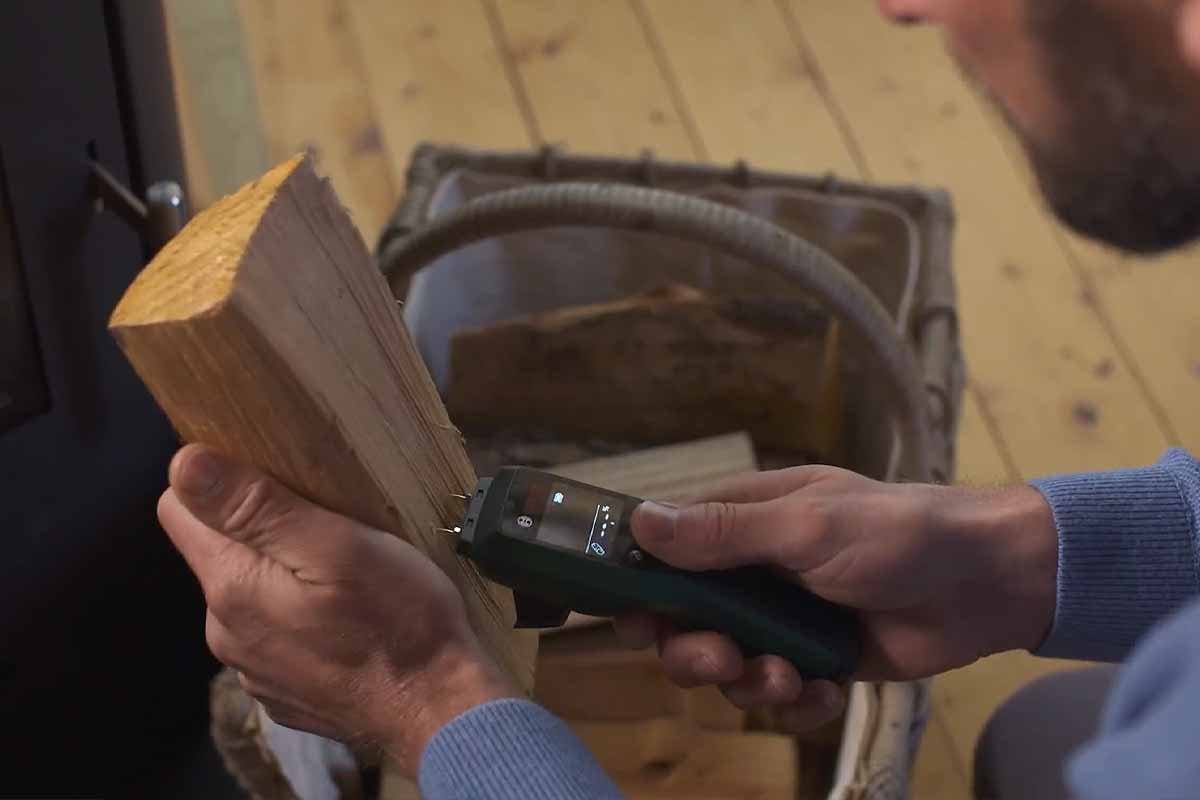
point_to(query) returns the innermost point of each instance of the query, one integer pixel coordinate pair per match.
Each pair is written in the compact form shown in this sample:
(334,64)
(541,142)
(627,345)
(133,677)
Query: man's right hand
(941,576)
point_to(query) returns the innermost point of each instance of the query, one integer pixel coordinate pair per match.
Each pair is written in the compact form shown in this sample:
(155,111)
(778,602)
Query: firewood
(264,330)
(586,675)
(670,759)
(668,365)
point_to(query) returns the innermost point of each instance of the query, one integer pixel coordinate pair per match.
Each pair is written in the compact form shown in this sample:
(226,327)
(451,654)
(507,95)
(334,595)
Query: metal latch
(156,220)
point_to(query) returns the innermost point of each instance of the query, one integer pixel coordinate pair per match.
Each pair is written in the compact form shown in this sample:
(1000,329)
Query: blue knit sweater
(1128,571)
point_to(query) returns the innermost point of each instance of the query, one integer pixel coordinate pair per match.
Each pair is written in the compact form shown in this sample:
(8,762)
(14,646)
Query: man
(350,633)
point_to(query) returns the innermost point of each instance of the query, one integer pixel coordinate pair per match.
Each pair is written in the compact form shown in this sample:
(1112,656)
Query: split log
(264,330)
(670,472)
(668,365)
(585,675)
(668,759)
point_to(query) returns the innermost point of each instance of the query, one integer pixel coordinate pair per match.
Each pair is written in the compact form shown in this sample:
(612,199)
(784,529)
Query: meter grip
(765,613)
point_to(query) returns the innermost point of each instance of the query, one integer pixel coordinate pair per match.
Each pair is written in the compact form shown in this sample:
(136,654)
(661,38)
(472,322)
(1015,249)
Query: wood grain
(670,472)
(669,364)
(314,96)
(435,74)
(670,758)
(752,93)
(588,676)
(591,78)
(264,330)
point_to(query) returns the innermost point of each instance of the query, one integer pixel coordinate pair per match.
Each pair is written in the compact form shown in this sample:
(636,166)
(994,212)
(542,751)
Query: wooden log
(586,675)
(670,472)
(265,331)
(665,759)
(671,364)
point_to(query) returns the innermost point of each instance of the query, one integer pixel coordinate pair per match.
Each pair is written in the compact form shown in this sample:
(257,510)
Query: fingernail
(655,522)
(201,474)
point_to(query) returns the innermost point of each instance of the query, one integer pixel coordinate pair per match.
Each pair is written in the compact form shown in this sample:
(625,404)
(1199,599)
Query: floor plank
(436,74)
(1162,351)
(980,461)
(1038,353)
(751,91)
(592,80)
(1044,363)
(938,774)
(1163,346)
(313,94)
(224,144)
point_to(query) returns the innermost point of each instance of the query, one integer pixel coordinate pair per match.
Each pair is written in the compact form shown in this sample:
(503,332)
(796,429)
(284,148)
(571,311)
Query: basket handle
(729,230)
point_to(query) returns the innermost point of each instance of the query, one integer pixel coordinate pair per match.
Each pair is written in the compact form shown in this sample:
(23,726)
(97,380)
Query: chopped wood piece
(670,472)
(670,758)
(671,364)
(265,331)
(587,675)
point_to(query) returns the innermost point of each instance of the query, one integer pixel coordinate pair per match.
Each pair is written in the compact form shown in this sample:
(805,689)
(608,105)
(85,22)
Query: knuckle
(259,508)
(720,523)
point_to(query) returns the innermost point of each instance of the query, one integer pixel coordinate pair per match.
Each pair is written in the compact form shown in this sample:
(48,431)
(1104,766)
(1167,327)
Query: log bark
(265,331)
(667,365)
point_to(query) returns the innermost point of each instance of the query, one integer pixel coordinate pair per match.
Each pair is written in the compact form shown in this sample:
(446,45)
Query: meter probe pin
(461,496)
(452,531)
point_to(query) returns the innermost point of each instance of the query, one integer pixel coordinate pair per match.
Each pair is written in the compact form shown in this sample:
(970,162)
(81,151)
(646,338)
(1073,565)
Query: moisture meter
(564,546)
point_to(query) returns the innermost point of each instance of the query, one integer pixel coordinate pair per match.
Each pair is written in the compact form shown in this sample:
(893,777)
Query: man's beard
(1123,165)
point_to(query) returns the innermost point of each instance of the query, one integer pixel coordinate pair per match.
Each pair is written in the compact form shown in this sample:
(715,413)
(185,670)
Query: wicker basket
(895,241)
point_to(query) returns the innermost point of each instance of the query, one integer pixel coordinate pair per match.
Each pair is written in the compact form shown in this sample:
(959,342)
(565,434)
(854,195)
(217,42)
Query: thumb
(708,536)
(247,505)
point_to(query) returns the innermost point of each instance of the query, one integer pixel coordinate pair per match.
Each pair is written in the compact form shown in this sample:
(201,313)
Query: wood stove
(103,668)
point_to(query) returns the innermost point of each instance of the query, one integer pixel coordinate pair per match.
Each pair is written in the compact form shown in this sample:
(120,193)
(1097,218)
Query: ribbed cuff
(1126,558)
(510,749)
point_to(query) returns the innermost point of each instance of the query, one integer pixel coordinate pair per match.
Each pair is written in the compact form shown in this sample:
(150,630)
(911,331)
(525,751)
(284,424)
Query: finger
(765,681)
(247,505)
(715,535)
(700,659)
(233,577)
(636,630)
(757,487)
(820,703)
(201,547)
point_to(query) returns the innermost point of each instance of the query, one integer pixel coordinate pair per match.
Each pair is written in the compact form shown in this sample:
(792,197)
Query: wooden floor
(1079,359)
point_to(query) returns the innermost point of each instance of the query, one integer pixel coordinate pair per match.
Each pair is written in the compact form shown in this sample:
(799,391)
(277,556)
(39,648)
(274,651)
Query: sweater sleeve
(510,750)
(1127,555)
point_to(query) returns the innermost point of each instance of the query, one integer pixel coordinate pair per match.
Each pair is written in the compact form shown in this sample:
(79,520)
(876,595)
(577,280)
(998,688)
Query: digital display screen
(580,519)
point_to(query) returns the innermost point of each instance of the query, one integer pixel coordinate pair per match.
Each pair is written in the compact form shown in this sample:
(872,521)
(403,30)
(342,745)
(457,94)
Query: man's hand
(337,628)
(941,576)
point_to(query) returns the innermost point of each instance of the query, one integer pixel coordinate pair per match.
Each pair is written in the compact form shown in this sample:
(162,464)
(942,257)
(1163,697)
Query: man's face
(1103,99)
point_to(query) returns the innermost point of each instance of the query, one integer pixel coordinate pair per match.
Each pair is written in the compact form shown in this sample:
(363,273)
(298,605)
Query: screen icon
(558,497)
(525,521)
